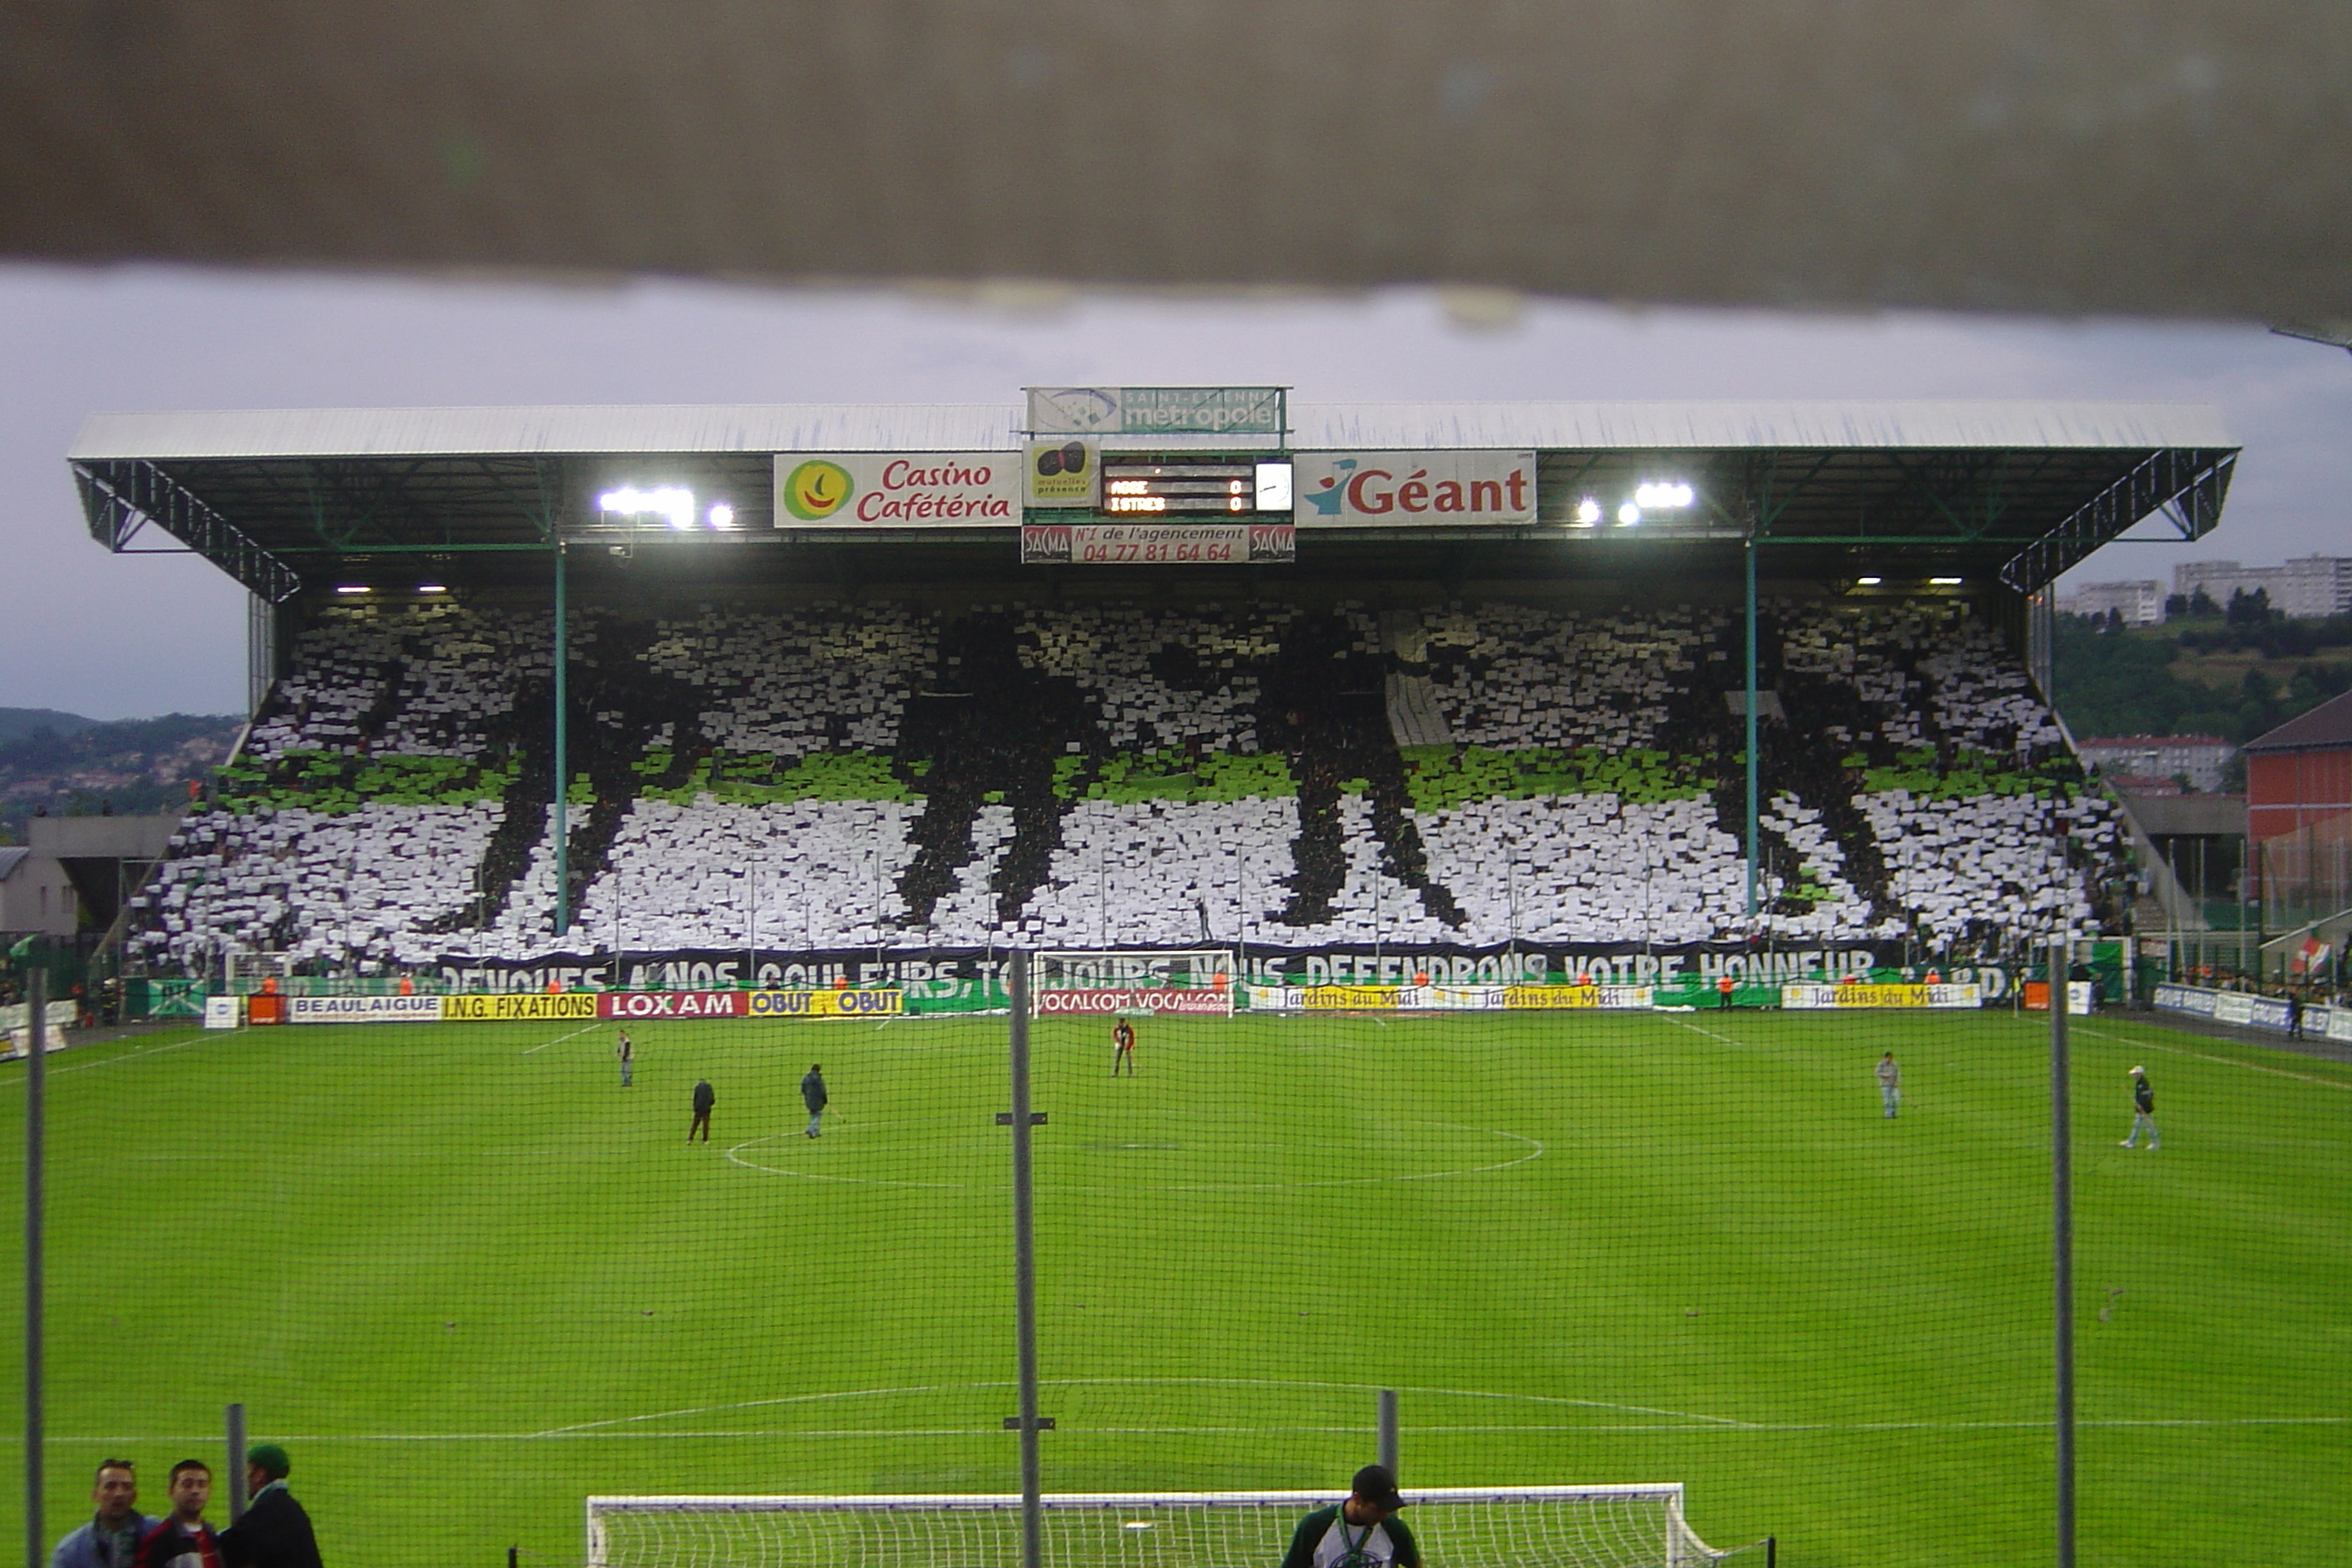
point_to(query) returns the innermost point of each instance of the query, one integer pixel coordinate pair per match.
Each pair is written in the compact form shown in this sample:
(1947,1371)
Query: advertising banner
(826,1004)
(1615,999)
(943,974)
(672,1004)
(897,489)
(1158,543)
(1413,488)
(13,1038)
(1867,995)
(221,1012)
(1111,999)
(521,1007)
(363,1010)
(1063,473)
(1156,410)
(1352,999)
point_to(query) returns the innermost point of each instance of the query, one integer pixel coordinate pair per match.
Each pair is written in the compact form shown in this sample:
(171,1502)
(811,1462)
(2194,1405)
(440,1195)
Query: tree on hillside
(2249,609)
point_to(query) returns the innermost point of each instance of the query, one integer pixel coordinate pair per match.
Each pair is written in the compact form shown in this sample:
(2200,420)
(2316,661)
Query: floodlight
(1627,515)
(1587,512)
(1274,487)
(1868,582)
(353,588)
(721,515)
(1943,581)
(430,589)
(1662,495)
(671,502)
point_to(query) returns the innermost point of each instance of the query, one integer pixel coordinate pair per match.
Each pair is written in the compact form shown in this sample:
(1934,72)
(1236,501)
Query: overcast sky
(111,637)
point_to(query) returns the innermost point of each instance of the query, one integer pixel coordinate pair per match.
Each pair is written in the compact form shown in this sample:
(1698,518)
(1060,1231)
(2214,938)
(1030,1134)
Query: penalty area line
(2222,1061)
(1743,1427)
(561,1038)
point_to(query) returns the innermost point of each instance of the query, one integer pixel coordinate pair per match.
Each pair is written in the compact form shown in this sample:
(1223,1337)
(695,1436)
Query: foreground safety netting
(1592,1236)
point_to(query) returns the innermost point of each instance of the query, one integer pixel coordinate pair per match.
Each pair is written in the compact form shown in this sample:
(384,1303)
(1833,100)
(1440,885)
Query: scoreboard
(1154,487)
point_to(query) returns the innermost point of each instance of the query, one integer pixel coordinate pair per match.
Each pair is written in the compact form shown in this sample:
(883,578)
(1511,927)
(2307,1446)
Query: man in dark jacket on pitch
(274,1532)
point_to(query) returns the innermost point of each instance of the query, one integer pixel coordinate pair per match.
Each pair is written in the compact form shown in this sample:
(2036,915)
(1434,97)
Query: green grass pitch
(469,1280)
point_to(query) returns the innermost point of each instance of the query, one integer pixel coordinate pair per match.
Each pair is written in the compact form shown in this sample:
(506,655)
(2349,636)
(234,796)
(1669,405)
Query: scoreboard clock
(1149,487)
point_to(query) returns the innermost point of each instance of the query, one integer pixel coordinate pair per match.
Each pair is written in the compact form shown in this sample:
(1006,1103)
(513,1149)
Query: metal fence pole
(2061,1199)
(563,752)
(1024,1267)
(237,1498)
(1388,1429)
(35,1110)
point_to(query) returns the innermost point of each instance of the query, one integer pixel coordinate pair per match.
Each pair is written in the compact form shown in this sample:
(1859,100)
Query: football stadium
(842,985)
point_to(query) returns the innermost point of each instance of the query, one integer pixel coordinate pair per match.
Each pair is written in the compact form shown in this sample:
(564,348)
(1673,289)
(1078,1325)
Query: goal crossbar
(1638,1526)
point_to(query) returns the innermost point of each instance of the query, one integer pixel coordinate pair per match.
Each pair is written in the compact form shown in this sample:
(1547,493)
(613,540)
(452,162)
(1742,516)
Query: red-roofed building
(2299,819)
(2300,773)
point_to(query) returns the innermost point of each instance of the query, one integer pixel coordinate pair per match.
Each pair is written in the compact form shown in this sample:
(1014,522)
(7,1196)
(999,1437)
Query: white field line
(573,1035)
(2223,1061)
(1134,1382)
(670,1435)
(130,1056)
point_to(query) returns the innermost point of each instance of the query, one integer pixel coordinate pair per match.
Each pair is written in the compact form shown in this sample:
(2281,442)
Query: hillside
(2214,675)
(128,765)
(17,722)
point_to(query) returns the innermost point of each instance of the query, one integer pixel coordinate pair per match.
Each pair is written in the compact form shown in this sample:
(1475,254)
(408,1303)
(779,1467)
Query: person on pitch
(111,1537)
(183,1540)
(2143,1109)
(627,1052)
(275,1530)
(1123,1047)
(704,1099)
(813,1096)
(1890,1085)
(1363,1532)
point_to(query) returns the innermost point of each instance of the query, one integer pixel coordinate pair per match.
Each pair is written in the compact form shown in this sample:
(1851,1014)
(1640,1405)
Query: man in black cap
(275,1532)
(1363,1532)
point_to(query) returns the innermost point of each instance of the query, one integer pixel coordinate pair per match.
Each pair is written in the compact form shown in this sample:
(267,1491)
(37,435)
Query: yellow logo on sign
(817,489)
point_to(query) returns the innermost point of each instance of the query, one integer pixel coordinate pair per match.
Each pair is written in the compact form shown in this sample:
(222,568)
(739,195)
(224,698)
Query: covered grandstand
(798,747)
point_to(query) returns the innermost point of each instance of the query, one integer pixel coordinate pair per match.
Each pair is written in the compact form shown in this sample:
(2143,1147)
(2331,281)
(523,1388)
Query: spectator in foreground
(1363,1532)
(111,1538)
(275,1531)
(183,1539)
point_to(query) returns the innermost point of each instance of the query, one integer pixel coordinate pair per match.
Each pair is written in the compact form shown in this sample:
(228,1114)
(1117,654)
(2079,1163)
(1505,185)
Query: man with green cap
(275,1532)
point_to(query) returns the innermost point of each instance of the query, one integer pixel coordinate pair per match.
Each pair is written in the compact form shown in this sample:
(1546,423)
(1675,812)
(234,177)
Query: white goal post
(1634,1526)
(1102,982)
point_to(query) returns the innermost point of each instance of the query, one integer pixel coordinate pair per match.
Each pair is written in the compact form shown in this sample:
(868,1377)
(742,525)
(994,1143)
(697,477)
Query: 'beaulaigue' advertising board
(363,1010)
(1412,489)
(897,489)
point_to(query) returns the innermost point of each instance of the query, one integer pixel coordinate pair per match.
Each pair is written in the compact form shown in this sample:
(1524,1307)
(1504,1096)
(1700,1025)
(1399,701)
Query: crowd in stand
(987,727)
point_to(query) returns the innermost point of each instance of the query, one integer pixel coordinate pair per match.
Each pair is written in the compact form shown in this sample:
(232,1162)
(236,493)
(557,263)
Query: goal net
(1462,1527)
(1191,980)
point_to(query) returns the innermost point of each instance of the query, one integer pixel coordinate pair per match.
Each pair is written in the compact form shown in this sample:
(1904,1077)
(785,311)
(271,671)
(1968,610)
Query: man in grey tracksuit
(2143,1109)
(1890,1084)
